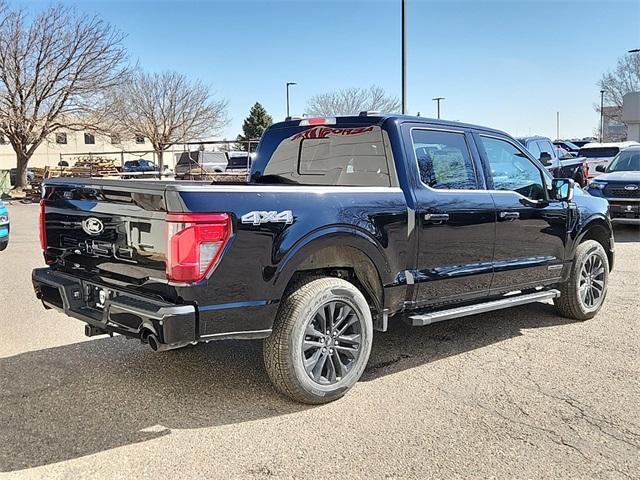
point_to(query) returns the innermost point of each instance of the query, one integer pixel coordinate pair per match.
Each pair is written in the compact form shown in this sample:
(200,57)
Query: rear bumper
(124,313)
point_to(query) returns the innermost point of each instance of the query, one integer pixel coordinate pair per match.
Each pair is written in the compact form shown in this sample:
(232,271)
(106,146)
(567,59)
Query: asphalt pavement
(519,393)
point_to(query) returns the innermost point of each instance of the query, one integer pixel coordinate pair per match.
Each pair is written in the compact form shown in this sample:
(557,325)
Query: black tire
(296,327)
(3,245)
(572,303)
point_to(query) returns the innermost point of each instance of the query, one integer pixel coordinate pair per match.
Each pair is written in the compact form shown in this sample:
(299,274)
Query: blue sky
(507,64)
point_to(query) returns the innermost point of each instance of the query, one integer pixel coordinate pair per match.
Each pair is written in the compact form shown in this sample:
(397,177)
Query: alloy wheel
(592,277)
(332,342)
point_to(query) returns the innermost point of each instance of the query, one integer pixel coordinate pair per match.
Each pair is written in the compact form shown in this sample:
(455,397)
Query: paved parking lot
(514,394)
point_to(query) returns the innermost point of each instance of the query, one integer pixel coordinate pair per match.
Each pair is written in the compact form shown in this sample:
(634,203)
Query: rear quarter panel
(260,260)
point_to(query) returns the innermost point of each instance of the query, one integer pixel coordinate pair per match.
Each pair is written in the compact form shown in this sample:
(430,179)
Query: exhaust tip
(153,342)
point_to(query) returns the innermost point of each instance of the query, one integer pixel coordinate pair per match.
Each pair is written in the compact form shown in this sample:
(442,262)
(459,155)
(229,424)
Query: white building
(69,145)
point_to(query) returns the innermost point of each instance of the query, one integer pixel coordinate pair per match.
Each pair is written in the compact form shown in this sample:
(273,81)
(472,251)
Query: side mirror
(562,189)
(545,158)
(601,168)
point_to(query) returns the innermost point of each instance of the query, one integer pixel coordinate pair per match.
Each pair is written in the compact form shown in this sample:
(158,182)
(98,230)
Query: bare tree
(350,101)
(167,108)
(616,84)
(623,79)
(54,70)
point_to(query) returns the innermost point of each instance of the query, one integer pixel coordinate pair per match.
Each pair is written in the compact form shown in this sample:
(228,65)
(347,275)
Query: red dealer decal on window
(324,132)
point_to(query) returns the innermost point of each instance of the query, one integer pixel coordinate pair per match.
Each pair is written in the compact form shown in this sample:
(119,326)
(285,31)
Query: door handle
(436,218)
(509,216)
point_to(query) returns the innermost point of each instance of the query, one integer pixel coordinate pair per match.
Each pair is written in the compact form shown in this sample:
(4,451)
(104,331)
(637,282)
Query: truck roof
(380,118)
(611,144)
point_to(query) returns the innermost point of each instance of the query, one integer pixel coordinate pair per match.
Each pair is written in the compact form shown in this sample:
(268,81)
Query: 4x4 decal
(259,217)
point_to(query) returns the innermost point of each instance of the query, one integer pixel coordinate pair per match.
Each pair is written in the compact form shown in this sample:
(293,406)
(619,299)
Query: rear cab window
(599,152)
(325,156)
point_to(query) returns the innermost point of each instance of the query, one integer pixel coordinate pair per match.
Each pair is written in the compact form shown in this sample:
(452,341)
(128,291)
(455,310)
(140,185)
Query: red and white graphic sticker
(324,132)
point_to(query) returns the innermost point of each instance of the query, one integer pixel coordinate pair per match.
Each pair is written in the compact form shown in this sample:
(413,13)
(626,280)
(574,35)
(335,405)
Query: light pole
(438,99)
(601,116)
(557,125)
(288,85)
(404,57)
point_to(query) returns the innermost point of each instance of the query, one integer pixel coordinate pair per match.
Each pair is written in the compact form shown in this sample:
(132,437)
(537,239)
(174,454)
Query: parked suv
(620,185)
(139,166)
(346,224)
(600,154)
(560,167)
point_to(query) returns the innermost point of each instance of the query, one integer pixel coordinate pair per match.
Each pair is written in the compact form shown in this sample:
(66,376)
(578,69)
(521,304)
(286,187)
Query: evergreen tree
(254,126)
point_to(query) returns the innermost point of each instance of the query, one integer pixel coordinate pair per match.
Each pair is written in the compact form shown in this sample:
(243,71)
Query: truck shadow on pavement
(67,402)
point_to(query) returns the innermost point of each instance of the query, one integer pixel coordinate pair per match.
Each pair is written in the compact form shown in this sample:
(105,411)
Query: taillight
(42,228)
(194,244)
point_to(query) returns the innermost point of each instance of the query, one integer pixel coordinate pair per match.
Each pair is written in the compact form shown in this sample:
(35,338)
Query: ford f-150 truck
(346,224)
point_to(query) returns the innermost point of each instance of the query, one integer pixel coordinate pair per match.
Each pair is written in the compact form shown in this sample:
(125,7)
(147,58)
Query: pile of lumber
(84,167)
(226,177)
(95,166)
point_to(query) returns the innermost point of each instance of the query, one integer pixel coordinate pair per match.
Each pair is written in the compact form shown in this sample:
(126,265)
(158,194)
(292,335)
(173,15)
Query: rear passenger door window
(534,149)
(444,160)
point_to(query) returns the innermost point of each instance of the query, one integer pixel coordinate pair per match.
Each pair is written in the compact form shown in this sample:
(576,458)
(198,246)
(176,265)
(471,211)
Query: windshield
(571,145)
(627,161)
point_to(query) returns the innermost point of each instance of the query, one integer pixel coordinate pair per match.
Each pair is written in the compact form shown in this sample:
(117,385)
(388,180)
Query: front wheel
(582,296)
(4,245)
(320,342)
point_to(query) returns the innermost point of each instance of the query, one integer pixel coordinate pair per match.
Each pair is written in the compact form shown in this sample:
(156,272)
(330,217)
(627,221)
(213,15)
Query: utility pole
(601,116)
(404,57)
(438,99)
(557,125)
(288,85)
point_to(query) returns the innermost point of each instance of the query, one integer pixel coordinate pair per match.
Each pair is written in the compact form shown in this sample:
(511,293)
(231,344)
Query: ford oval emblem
(631,187)
(92,226)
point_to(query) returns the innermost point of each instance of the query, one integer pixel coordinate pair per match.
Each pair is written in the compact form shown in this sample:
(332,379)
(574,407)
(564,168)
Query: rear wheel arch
(342,261)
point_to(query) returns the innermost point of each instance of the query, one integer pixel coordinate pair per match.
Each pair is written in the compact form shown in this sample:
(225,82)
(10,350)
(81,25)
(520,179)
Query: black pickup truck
(346,224)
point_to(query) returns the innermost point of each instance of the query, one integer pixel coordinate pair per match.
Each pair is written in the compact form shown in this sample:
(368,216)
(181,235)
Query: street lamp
(601,116)
(437,99)
(288,85)
(404,57)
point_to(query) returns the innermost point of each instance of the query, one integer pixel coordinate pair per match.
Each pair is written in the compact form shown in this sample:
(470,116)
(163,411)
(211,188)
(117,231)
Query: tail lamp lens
(194,244)
(42,228)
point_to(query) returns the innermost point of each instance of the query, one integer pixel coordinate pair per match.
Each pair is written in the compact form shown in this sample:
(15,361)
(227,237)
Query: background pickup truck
(560,167)
(346,224)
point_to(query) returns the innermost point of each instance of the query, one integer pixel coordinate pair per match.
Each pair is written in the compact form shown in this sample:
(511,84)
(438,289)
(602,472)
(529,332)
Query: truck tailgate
(106,229)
